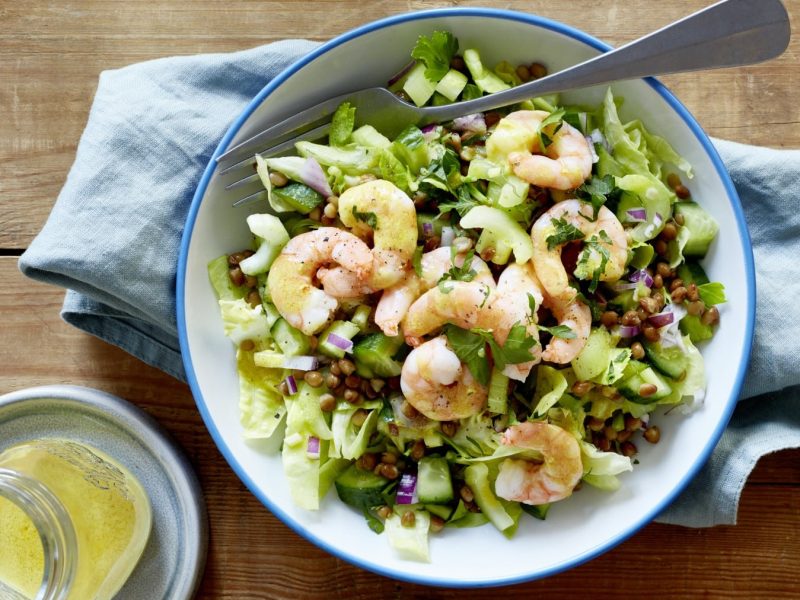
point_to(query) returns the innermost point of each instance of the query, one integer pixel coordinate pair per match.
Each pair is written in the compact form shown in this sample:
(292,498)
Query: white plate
(591,521)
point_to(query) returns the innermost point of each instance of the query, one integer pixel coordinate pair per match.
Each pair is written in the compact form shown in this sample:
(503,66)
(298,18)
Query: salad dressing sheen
(107,506)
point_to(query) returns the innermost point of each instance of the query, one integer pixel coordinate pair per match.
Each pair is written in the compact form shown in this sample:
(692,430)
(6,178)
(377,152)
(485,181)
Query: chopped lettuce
(261,406)
(550,386)
(350,159)
(219,276)
(409,542)
(601,468)
(349,441)
(244,322)
(500,233)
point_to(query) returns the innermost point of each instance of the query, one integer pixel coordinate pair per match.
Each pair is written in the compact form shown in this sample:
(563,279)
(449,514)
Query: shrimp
(396,300)
(460,303)
(575,315)
(511,306)
(604,236)
(434,381)
(539,483)
(385,210)
(564,165)
(341,283)
(291,278)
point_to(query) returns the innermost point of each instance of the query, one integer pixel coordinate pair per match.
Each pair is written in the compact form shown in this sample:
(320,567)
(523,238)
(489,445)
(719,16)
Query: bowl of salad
(478,352)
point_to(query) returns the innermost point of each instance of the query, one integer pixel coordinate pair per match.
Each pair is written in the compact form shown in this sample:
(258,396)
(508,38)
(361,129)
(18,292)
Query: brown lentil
(632,423)
(352,381)
(390,471)
(377,384)
(327,402)
(408,519)
(679,294)
(537,70)
(649,303)
(417,450)
(347,366)
(637,351)
(609,392)
(660,246)
(458,63)
(642,314)
(609,318)
(581,388)
(389,458)
(682,192)
(679,219)
(315,214)
(595,424)
(651,333)
(658,281)
(367,461)
(449,428)
(711,316)
(466,493)
(673,180)
(624,435)
(692,293)
(602,443)
(454,140)
(393,383)
(313,378)
(631,319)
(330,211)
(335,370)
(487,254)
(491,119)
(250,281)
(247,345)
(278,179)
(236,276)
(384,512)
(352,396)
(652,434)
(647,389)
(437,523)
(333,200)
(628,449)
(524,73)
(670,232)
(663,269)
(332,381)
(359,417)
(408,410)
(675,284)
(253,298)
(610,433)
(283,388)
(696,308)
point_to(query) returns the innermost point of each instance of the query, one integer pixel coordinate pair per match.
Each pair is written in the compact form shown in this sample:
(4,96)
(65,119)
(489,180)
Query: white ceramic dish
(591,521)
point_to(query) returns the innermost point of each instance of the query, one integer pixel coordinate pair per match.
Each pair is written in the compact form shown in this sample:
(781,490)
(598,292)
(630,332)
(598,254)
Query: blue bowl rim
(557,27)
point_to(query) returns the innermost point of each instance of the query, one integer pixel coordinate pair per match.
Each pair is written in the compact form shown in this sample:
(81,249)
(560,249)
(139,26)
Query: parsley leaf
(546,130)
(560,331)
(712,293)
(516,348)
(565,232)
(436,53)
(463,273)
(470,348)
(463,205)
(597,190)
(370,218)
(533,307)
(593,248)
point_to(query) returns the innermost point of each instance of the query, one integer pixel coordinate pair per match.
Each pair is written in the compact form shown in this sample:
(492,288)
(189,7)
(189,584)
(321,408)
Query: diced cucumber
(418,87)
(439,510)
(692,272)
(538,511)
(373,355)
(218,274)
(269,360)
(477,478)
(292,341)
(360,489)
(595,356)
(299,196)
(361,317)
(271,313)
(487,81)
(433,480)
(702,227)
(697,331)
(452,84)
(368,136)
(439,100)
(343,329)
(637,374)
(498,392)
(671,361)
(500,232)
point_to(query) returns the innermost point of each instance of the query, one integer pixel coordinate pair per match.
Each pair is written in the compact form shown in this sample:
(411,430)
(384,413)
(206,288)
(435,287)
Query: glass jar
(73,521)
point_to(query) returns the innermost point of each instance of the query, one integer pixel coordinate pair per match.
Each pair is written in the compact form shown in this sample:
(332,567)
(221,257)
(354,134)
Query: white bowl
(591,521)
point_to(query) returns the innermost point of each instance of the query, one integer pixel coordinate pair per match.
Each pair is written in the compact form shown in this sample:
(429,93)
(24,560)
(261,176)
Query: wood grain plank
(254,555)
(51,55)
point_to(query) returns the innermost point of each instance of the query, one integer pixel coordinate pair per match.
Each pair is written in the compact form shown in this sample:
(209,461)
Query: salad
(465,324)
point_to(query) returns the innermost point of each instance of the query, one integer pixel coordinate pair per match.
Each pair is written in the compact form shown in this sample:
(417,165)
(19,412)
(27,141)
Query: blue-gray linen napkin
(112,240)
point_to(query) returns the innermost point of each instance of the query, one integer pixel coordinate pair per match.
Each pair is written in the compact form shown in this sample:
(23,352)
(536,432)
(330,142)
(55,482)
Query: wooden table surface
(51,54)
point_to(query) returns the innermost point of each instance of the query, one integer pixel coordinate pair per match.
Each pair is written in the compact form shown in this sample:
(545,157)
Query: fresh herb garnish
(560,331)
(565,232)
(595,245)
(416,260)
(373,522)
(463,273)
(370,218)
(435,53)
(597,191)
(533,307)
(464,203)
(549,127)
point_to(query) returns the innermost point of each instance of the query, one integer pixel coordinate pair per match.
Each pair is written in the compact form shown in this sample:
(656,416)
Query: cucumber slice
(637,374)
(299,196)
(418,87)
(452,84)
(701,225)
(271,313)
(672,361)
(360,489)
(434,485)
(361,317)
(692,272)
(373,355)
(595,356)
(440,511)
(497,401)
(290,340)
(344,329)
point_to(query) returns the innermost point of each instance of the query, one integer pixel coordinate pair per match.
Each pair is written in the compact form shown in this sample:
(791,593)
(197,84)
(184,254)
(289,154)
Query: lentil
(595,424)
(632,423)
(581,388)
(663,269)
(682,192)
(352,381)
(347,366)
(278,179)
(637,351)
(673,180)
(437,523)
(408,519)
(359,417)
(449,428)
(670,232)
(332,381)
(696,308)
(333,200)
(649,303)
(335,370)
(491,119)
(253,299)
(692,293)
(327,402)
(313,378)
(367,461)
(523,72)
(352,396)
(236,276)
(660,246)
(250,281)
(624,435)
(330,211)
(658,281)
(628,449)
(631,319)
(610,433)
(679,294)
(458,64)
(466,493)
(389,471)
(384,512)
(315,214)
(537,70)
(602,444)
(408,410)
(609,318)
(652,434)
(711,316)
(247,345)
(647,389)
(377,384)
(283,388)
(679,219)
(651,333)
(417,450)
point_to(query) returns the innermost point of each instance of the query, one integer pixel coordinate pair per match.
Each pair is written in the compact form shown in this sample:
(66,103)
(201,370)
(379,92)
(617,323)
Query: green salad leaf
(342,124)
(565,232)
(435,53)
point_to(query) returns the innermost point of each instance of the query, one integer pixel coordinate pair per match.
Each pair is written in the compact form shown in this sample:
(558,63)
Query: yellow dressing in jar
(106,505)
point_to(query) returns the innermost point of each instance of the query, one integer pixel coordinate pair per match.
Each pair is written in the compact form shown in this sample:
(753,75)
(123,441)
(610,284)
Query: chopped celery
(477,478)
(498,392)
(452,84)
(486,80)
(272,237)
(501,233)
(351,159)
(360,317)
(342,124)
(368,136)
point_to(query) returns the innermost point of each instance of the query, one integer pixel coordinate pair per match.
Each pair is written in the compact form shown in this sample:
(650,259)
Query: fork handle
(727,34)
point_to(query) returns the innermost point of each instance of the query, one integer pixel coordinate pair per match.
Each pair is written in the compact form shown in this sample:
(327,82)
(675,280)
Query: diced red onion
(313,447)
(429,128)
(474,124)
(628,331)
(314,177)
(448,235)
(641,276)
(636,215)
(340,342)
(301,363)
(399,75)
(291,384)
(407,489)
(427,229)
(658,220)
(661,319)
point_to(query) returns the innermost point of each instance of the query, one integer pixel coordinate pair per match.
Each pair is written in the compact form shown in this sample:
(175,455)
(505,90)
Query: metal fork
(727,34)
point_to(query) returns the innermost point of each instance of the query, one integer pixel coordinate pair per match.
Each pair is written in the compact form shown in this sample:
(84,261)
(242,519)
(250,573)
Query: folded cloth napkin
(112,240)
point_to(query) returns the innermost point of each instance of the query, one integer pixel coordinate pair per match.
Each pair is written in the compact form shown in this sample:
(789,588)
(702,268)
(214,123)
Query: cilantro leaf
(712,293)
(597,191)
(435,53)
(565,232)
(370,218)
(560,331)
(470,348)
(342,124)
